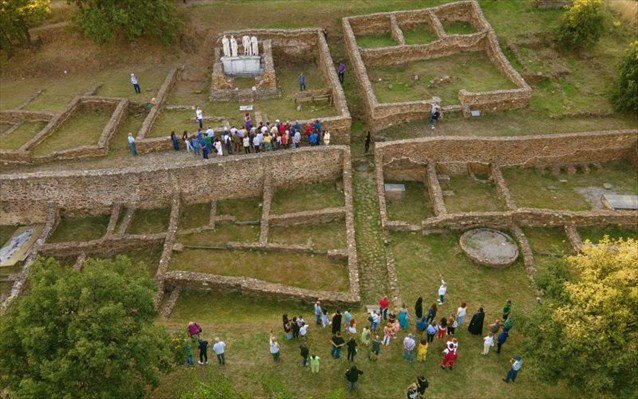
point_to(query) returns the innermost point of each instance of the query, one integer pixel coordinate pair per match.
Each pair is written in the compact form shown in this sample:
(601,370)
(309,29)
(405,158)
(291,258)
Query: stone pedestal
(242,66)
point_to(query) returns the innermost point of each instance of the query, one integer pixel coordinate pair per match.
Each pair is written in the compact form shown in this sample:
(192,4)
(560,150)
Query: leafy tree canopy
(583,24)
(625,94)
(86,334)
(16,16)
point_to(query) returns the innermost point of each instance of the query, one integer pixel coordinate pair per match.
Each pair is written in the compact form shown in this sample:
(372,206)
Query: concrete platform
(620,202)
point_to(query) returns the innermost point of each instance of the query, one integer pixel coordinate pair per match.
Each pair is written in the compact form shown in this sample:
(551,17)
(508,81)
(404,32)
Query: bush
(624,96)
(583,24)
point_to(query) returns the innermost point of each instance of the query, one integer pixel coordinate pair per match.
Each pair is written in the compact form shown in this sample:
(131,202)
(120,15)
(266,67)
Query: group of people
(196,341)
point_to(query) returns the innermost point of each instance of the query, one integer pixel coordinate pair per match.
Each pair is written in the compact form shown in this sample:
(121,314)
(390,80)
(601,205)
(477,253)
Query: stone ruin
(382,115)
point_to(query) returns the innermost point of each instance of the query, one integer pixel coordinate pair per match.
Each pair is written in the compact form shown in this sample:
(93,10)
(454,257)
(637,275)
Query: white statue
(226,46)
(233,46)
(254,45)
(245,42)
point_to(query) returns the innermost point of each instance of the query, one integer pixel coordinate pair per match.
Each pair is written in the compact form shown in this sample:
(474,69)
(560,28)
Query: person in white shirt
(296,139)
(461,312)
(131,143)
(488,342)
(199,115)
(326,138)
(408,348)
(210,132)
(246,142)
(303,330)
(257,141)
(274,347)
(218,148)
(135,83)
(442,292)
(219,349)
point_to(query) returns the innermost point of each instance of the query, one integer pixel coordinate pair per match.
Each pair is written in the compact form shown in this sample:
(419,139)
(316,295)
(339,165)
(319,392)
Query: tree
(16,16)
(86,334)
(624,96)
(583,24)
(101,20)
(586,332)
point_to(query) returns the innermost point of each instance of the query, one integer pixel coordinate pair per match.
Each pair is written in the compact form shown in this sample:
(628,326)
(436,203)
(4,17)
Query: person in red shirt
(194,329)
(384,304)
(308,129)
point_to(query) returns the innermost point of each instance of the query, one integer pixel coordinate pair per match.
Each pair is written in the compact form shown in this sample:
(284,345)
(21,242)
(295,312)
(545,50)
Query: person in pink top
(193,329)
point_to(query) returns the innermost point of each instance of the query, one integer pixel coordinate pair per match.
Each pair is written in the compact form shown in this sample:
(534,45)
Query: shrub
(624,96)
(583,24)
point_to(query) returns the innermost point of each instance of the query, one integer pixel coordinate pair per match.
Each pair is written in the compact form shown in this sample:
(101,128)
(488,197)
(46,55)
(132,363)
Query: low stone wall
(16,116)
(106,246)
(160,97)
(307,217)
(383,115)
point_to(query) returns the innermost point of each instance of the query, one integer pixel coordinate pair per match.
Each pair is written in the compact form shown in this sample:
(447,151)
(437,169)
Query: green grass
(323,236)
(377,40)
(5,287)
(149,256)
(415,205)
(243,209)
(470,196)
(458,27)
(117,83)
(149,221)
(174,120)
(5,126)
(595,233)
(83,128)
(21,135)
(58,91)
(118,146)
(307,198)
(535,189)
(80,229)
(549,246)
(194,215)
(6,231)
(462,68)
(419,34)
(298,270)
(222,234)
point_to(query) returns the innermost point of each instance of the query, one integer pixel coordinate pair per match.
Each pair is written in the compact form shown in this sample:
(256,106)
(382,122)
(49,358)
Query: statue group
(249,44)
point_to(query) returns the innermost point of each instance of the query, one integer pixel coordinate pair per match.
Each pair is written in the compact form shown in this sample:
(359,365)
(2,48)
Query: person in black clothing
(352,375)
(352,348)
(203,352)
(304,352)
(421,384)
(367,144)
(337,342)
(295,327)
(476,324)
(418,308)
(431,313)
(336,322)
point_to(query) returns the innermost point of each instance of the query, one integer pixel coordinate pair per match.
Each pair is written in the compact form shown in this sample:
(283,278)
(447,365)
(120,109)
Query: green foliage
(84,335)
(583,24)
(551,280)
(16,16)
(102,20)
(624,96)
(219,388)
(585,333)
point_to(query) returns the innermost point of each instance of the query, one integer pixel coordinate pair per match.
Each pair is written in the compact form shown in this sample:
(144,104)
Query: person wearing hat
(135,83)
(517,363)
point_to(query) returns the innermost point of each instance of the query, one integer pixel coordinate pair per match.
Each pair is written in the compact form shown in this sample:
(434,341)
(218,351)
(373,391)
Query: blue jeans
(302,86)
(189,360)
(374,326)
(196,149)
(136,87)
(384,313)
(318,319)
(442,298)
(133,148)
(511,375)
(352,386)
(408,355)
(336,352)
(304,361)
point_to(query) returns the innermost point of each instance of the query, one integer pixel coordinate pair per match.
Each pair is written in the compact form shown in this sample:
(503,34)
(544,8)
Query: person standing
(352,348)
(318,312)
(422,384)
(495,327)
(476,323)
(336,322)
(187,141)
(199,115)
(341,72)
(246,143)
(274,347)
(431,313)
(404,317)
(337,342)
(352,375)
(418,308)
(220,348)
(203,352)
(326,138)
(442,291)
(509,323)
(451,325)
(304,352)
(442,328)
(135,83)
(408,348)
(430,331)
(517,363)
(365,337)
(367,143)
(435,114)
(461,312)
(488,342)
(314,364)
(507,308)
(302,82)
(502,337)
(376,347)
(422,350)
(175,141)
(131,144)
(347,316)
(384,305)
(189,352)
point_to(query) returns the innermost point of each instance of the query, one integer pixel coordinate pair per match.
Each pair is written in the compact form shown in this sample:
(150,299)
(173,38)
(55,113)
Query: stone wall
(383,115)
(16,116)
(160,97)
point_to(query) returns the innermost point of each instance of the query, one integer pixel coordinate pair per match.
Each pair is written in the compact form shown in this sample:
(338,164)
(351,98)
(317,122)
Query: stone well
(489,247)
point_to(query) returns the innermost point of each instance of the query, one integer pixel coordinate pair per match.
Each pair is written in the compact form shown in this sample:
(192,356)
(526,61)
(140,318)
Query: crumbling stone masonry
(387,114)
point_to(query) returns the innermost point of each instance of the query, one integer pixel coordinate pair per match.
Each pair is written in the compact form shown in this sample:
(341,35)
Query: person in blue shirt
(302,82)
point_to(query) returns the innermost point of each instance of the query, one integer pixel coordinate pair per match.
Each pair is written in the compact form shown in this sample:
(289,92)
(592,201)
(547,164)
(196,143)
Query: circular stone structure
(489,247)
